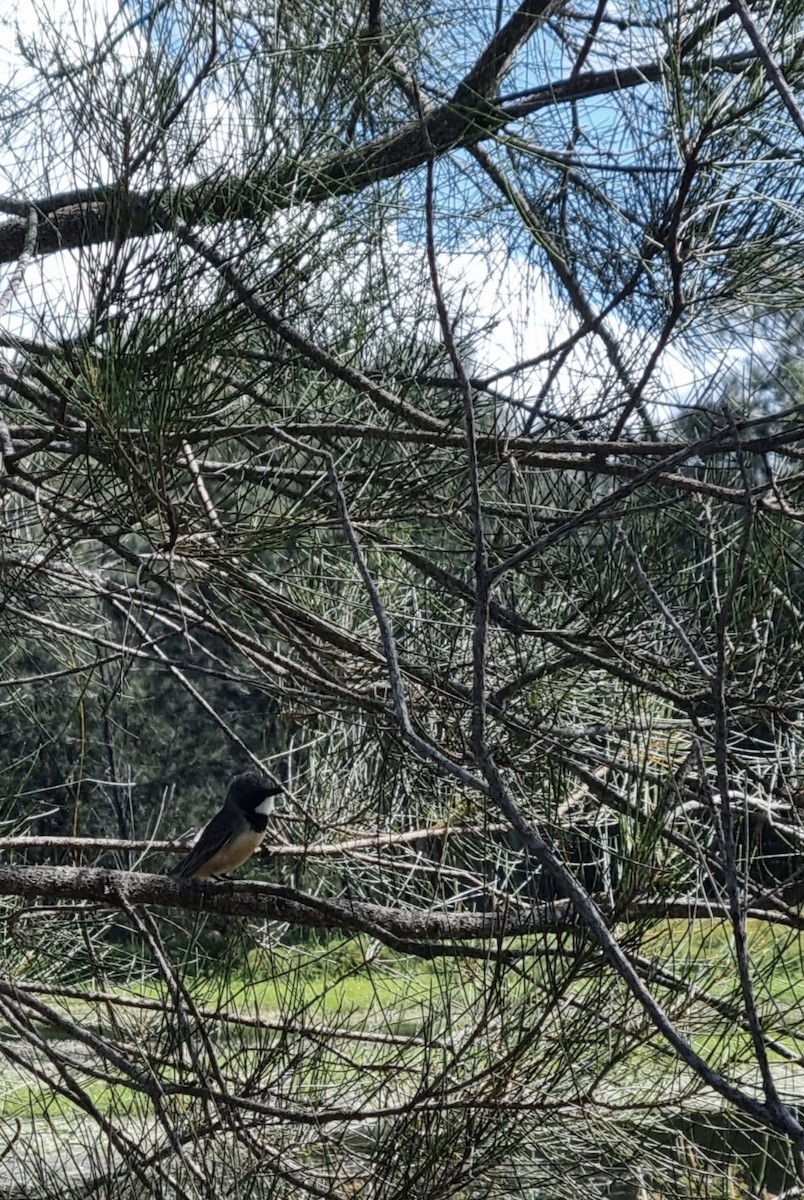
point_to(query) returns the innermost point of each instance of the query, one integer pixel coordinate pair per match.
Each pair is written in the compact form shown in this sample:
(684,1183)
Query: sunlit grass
(27,1101)
(352,985)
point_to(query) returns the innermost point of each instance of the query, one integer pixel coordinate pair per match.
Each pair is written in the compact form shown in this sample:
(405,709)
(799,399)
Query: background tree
(369,415)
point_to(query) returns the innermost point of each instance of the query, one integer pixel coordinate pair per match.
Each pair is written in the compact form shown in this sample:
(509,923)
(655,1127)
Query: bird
(234,833)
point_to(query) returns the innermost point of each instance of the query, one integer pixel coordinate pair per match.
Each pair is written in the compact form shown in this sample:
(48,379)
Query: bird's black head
(251,793)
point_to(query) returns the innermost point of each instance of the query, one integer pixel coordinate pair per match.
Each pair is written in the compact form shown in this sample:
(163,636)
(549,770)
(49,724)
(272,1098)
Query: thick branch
(261,901)
(275,902)
(90,217)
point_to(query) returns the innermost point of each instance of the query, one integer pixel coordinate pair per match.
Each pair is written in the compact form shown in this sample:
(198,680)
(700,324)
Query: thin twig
(769,62)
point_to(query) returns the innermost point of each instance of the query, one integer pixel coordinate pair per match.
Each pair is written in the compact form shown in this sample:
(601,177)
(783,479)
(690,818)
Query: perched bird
(234,833)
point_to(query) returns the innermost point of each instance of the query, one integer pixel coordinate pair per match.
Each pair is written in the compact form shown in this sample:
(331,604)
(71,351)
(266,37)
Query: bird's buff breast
(230,856)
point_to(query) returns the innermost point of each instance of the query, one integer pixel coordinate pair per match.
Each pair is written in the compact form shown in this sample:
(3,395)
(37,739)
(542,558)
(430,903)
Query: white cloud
(40,154)
(525,320)
(513,312)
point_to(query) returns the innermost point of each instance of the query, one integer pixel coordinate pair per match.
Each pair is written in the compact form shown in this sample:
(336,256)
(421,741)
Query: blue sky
(498,275)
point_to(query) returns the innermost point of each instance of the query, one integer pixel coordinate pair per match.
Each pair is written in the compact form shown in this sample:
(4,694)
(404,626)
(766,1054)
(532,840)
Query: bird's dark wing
(222,829)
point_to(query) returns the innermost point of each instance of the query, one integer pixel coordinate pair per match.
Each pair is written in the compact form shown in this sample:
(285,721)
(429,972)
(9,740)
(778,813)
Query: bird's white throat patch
(266,807)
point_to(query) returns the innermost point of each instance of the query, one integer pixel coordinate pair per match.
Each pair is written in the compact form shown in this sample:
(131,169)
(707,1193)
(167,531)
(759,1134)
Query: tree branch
(87,217)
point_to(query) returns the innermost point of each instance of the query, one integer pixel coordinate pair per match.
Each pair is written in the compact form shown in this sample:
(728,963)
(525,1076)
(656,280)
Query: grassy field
(347,1023)
(354,990)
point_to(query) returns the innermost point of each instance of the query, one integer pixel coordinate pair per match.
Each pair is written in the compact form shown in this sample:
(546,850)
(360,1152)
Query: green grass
(29,1101)
(347,984)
